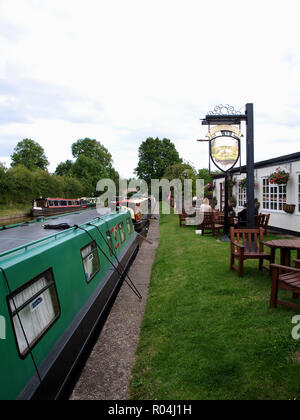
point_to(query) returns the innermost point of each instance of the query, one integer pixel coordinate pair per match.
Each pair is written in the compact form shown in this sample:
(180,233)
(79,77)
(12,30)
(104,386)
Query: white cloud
(123,71)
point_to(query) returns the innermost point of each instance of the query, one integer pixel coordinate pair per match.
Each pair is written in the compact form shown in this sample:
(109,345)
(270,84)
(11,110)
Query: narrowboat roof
(26,233)
(65,199)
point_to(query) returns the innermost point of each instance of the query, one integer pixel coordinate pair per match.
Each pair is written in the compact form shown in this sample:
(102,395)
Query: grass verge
(208,334)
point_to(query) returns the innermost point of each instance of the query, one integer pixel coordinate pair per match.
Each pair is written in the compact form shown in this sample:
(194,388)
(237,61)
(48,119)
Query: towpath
(107,373)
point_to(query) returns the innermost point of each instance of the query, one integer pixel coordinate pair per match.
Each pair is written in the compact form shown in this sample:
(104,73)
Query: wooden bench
(247,244)
(209,223)
(287,278)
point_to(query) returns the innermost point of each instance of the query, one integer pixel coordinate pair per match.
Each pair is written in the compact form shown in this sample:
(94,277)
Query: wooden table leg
(273,252)
(285,258)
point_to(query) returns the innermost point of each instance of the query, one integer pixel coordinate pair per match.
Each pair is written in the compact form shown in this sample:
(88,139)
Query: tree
(29,154)
(155,156)
(64,168)
(93,162)
(92,148)
(205,175)
(177,170)
(89,171)
(18,185)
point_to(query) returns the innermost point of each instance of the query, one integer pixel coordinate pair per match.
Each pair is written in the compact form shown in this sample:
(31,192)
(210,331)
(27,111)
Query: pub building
(277,191)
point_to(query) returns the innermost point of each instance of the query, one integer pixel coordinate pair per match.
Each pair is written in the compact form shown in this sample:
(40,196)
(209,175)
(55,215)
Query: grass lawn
(208,334)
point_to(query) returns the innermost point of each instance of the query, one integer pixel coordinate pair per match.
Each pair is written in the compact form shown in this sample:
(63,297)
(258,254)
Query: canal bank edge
(107,373)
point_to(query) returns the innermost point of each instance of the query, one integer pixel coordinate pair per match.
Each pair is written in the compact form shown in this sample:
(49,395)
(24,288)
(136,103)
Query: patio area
(208,334)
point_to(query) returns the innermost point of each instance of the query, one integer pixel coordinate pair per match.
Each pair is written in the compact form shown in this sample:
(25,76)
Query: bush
(19,185)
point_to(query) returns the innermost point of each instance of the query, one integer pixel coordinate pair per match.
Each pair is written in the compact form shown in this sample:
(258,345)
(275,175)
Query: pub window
(298,177)
(274,196)
(242,195)
(90,259)
(122,231)
(33,308)
(129,226)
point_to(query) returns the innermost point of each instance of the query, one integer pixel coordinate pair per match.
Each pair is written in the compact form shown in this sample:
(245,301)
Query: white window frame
(242,196)
(90,256)
(274,191)
(34,308)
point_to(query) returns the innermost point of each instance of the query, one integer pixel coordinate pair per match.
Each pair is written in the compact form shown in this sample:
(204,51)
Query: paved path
(107,372)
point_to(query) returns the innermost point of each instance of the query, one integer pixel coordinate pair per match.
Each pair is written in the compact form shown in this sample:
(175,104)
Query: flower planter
(279,177)
(289,208)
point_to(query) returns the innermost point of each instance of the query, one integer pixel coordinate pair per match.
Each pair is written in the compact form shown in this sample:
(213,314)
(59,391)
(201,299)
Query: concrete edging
(107,373)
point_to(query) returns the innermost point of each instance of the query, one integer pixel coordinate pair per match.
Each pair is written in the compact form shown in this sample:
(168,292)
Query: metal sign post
(224,119)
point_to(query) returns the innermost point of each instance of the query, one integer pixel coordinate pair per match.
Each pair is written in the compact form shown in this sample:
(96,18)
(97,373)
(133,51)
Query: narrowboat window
(77,203)
(63,203)
(56,203)
(90,259)
(129,226)
(69,203)
(122,231)
(51,203)
(34,308)
(109,241)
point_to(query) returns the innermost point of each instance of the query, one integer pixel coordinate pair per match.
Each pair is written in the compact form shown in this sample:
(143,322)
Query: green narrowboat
(55,288)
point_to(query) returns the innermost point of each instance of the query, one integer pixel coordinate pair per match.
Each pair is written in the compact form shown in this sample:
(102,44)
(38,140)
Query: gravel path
(107,372)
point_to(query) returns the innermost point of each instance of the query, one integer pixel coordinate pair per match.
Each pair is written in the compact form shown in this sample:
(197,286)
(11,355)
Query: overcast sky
(121,71)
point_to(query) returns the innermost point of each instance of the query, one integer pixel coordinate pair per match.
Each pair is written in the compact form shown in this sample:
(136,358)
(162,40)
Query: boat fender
(61,226)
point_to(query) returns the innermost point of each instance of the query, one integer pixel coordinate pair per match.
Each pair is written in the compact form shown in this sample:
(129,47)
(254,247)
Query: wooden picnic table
(285,246)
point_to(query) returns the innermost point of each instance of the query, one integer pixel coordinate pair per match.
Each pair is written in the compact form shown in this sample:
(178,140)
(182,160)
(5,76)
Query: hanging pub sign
(224,146)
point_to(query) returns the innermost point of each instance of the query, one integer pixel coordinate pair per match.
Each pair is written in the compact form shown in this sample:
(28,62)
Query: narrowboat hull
(60,287)
(142,210)
(61,362)
(55,211)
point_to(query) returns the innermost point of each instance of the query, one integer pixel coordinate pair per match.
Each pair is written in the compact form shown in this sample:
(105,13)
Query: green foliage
(155,156)
(64,168)
(29,154)
(176,171)
(93,149)
(89,171)
(19,185)
(28,178)
(205,175)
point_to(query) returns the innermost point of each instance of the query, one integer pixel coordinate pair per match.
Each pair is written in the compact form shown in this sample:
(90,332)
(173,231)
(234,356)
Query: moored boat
(140,208)
(58,278)
(54,206)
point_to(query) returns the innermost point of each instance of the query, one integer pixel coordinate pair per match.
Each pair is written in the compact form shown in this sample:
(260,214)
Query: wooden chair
(287,278)
(183,216)
(209,223)
(266,222)
(219,217)
(247,244)
(259,220)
